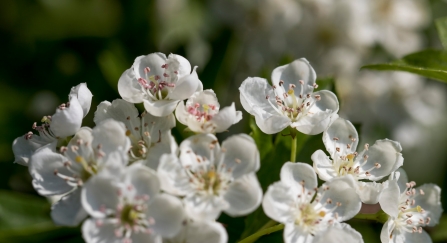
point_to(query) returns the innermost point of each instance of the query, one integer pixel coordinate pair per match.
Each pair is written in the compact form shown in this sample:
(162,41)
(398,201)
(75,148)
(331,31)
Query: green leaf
(20,210)
(441,25)
(263,141)
(427,63)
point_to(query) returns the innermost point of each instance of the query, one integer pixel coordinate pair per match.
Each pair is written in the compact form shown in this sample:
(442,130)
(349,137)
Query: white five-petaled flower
(89,152)
(201,113)
(130,208)
(409,209)
(212,178)
(372,163)
(159,82)
(65,122)
(290,101)
(305,210)
(150,136)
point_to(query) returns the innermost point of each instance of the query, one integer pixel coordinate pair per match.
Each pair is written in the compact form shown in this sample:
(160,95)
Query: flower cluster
(128,181)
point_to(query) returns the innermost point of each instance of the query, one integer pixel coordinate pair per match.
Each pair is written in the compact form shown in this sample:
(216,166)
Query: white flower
(90,151)
(212,178)
(200,231)
(65,122)
(306,210)
(202,115)
(129,208)
(150,136)
(409,209)
(275,108)
(159,82)
(373,163)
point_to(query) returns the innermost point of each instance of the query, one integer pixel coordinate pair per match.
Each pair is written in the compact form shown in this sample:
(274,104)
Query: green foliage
(263,141)
(428,63)
(441,25)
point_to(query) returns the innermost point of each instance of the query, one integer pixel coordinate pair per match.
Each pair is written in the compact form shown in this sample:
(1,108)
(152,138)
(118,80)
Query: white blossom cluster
(127,181)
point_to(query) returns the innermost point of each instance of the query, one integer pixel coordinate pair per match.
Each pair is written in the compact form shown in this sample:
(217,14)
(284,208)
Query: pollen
(350,156)
(128,132)
(321,213)
(290,92)
(79,159)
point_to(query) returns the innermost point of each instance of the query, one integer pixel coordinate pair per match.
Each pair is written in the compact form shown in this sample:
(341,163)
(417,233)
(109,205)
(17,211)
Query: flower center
(158,87)
(202,112)
(289,104)
(411,217)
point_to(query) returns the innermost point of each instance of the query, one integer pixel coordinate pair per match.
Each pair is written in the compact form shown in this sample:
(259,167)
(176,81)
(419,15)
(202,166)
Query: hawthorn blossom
(200,231)
(150,136)
(372,163)
(275,108)
(409,209)
(159,82)
(202,113)
(129,208)
(339,233)
(65,122)
(305,210)
(211,178)
(89,152)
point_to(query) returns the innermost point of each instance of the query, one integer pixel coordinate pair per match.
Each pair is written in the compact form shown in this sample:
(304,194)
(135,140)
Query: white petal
(111,136)
(202,145)
(42,168)
(339,233)
(122,111)
(184,65)
(168,213)
(67,122)
(253,92)
(320,116)
(173,177)
(389,199)
(342,190)
(387,234)
(278,202)
(244,195)
(156,126)
(206,207)
(370,192)
(294,234)
(84,96)
(198,231)
(430,202)
(181,113)
(185,87)
(84,135)
(144,180)
(344,133)
(160,107)
(155,152)
(241,155)
(402,178)
(292,73)
(142,237)
(102,234)
(385,152)
(69,211)
(272,124)
(24,148)
(323,166)
(99,192)
(414,238)
(154,61)
(225,118)
(293,174)
(129,88)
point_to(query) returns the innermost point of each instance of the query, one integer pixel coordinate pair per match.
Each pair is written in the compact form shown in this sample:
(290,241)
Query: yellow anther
(206,107)
(211,175)
(45,119)
(321,213)
(290,92)
(350,156)
(128,132)
(79,159)
(419,209)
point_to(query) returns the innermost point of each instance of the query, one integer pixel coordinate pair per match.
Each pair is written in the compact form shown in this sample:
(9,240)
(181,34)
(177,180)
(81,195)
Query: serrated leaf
(427,63)
(441,25)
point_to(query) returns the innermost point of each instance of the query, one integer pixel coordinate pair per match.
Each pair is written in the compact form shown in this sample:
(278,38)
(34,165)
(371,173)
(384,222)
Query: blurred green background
(48,46)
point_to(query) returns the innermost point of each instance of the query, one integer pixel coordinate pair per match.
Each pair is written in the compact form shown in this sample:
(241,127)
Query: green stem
(293,150)
(380,217)
(255,236)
